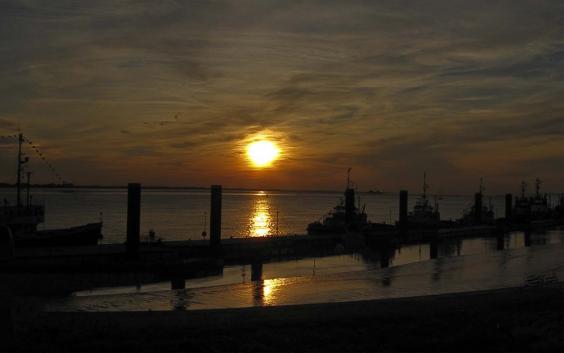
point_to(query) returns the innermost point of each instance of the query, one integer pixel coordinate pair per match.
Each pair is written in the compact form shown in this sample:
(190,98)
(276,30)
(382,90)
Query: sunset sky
(171,92)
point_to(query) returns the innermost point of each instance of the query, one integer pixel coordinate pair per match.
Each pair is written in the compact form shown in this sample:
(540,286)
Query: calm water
(179,214)
(461,265)
(533,265)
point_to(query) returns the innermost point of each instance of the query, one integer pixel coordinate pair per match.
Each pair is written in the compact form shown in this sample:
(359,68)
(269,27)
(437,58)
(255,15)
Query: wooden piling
(528,241)
(434,248)
(500,241)
(215,217)
(478,207)
(256,270)
(7,249)
(133,218)
(178,283)
(508,206)
(403,209)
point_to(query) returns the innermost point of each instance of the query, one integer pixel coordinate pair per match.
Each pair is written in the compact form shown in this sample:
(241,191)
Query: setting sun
(262,153)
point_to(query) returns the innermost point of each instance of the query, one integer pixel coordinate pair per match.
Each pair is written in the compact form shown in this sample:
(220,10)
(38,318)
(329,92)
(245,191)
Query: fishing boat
(478,212)
(540,208)
(23,218)
(532,208)
(343,218)
(88,234)
(424,215)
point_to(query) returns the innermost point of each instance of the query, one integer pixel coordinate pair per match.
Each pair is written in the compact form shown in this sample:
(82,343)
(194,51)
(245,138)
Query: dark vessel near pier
(424,215)
(479,213)
(533,208)
(23,218)
(343,218)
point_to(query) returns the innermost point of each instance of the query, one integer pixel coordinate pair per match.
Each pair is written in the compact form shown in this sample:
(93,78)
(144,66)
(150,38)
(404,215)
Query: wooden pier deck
(81,267)
(67,269)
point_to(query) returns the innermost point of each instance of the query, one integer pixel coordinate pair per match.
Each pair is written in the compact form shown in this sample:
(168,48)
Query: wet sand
(514,319)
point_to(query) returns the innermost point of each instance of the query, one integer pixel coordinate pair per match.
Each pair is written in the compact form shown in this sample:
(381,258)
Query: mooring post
(403,209)
(133,218)
(528,238)
(215,217)
(384,249)
(434,248)
(7,248)
(508,207)
(384,259)
(256,270)
(478,207)
(500,241)
(178,283)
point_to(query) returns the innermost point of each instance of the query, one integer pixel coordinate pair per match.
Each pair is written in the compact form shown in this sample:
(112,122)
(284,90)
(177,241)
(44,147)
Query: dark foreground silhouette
(517,319)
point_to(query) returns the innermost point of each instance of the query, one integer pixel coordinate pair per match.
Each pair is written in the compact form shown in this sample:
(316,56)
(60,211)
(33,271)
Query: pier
(70,268)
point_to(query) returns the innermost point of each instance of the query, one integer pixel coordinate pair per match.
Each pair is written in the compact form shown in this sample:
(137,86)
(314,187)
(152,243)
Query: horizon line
(162,187)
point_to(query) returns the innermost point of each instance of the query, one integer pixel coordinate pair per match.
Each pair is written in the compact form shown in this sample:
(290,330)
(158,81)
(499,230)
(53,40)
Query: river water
(461,265)
(183,214)
(536,265)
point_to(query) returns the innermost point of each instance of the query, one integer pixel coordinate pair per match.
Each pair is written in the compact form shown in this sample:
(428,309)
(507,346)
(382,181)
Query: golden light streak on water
(267,291)
(261,222)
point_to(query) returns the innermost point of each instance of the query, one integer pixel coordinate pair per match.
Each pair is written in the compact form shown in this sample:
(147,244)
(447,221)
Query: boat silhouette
(424,214)
(23,218)
(343,218)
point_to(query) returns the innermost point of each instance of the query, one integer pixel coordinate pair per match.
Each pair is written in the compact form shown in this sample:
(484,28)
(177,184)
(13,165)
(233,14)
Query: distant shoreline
(206,188)
(152,187)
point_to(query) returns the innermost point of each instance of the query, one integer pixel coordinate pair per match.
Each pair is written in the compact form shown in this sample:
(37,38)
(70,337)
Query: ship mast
(21,162)
(523,189)
(349,178)
(537,186)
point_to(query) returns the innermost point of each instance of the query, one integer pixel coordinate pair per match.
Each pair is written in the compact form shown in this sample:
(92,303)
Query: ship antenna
(537,186)
(349,177)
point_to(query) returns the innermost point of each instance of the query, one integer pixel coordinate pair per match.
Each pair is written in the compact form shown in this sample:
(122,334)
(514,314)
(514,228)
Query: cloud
(8,124)
(391,86)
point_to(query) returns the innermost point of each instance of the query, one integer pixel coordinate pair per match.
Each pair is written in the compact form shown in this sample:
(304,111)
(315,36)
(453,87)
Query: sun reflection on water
(266,291)
(261,223)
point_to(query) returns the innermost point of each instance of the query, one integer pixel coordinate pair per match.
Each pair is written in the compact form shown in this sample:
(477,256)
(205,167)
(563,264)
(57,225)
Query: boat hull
(88,234)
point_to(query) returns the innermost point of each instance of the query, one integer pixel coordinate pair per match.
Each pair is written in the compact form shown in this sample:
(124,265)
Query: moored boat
(533,208)
(23,218)
(88,234)
(424,215)
(343,218)
(478,212)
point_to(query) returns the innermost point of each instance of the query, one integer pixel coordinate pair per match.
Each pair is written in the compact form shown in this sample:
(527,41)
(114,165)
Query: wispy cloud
(388,87)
